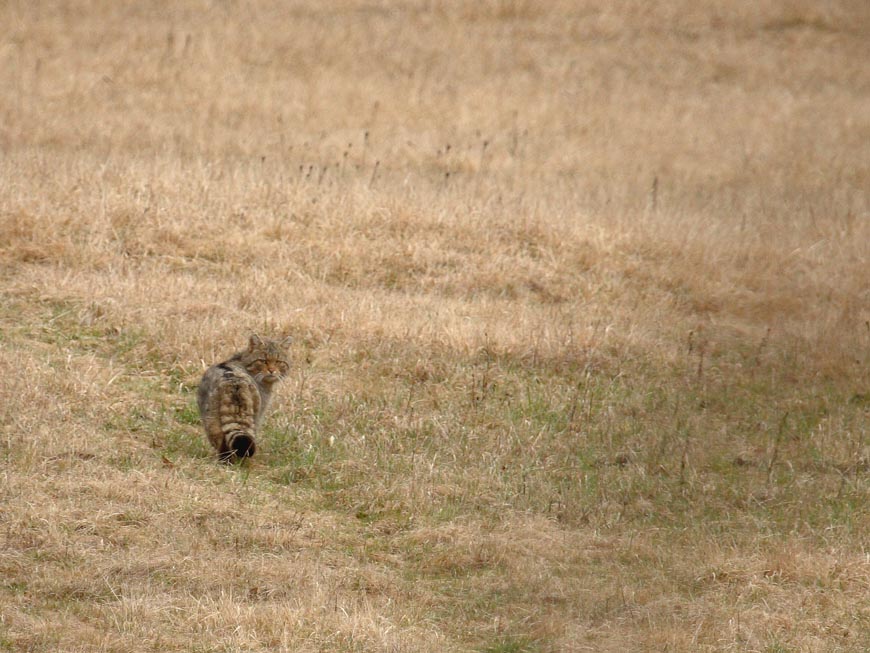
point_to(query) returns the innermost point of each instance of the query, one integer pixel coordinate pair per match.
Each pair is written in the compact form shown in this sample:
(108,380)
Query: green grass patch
(511,645)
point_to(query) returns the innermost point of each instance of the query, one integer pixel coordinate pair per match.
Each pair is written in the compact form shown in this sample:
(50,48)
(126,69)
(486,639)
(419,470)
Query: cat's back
(230,371)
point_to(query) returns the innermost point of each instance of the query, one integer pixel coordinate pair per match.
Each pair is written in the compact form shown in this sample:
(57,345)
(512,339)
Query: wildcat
(233,396)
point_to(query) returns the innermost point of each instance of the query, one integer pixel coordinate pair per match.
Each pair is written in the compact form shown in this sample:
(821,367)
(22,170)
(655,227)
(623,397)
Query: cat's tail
(238,408)
(241,444)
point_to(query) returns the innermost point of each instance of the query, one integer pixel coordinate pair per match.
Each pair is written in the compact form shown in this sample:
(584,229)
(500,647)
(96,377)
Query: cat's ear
(286,342)
(254,342)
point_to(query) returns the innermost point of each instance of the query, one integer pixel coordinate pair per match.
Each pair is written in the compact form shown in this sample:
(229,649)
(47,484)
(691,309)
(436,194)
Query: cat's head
(267,360)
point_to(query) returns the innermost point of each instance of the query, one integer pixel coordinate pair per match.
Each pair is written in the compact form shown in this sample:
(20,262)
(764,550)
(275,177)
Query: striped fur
(233,396)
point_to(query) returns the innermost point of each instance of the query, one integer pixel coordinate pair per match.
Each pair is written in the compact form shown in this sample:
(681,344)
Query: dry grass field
(580,295)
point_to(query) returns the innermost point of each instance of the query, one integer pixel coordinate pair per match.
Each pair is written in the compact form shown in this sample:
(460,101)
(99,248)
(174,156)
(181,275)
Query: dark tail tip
(242,445)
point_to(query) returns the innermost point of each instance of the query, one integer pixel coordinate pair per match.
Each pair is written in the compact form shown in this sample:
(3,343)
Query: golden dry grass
(581,309)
